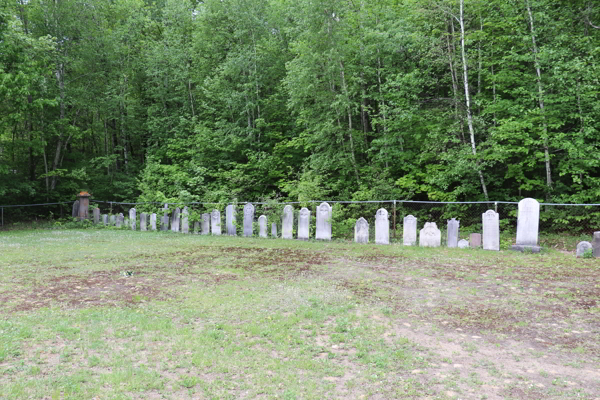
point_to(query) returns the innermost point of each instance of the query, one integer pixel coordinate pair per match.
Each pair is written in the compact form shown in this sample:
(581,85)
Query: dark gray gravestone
(248,220)
(96,216)
(596,245)
(143,222)
(452,237)
(75,212)
(361,231)
(205,224)
(185,222)
(304,224)
(262,226)
(475,240)
(230,220)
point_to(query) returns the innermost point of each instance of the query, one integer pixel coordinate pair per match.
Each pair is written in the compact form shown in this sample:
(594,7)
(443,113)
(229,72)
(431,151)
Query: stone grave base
(522,247)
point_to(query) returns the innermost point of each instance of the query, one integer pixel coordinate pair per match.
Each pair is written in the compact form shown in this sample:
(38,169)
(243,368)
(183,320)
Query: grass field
(107,314)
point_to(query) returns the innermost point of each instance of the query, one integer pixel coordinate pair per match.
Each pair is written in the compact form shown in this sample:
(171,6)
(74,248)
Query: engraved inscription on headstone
(491,230)
(475,240)
(274,229)
(230,219)
(262,226)
(215,222)
(303,224)
(409,237)
(452,238)
(528,221)
(287,224)
(153,221)
(248,219)
(324,214)
(430,235)
(205,224)
(382,227)
(463,244)
(185,221)
(176,220)
(361,231)
(132,218)
(143,223)
(582,247)
(96,216)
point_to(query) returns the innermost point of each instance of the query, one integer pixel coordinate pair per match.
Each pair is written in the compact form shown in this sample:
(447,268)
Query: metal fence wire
(573,219)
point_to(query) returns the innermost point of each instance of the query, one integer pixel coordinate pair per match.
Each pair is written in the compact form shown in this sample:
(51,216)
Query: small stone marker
(491,230)
(175,221)
(430,235)
(596,245)
(132,218)
(113,220)
(165,223)
(324,214)
(475,240)
(582,247)
(463,244)
(153,221)
(274,230)
(287,224)
(452,233)
(105,219)
(185,221)
(120,220)
(409,237)
(361,230)
(75,212)
(303,224)
(248,220)
(96,216)
(215,222)
(262,226)
(143,222)
(382,227)
(205,224)
(528,222)
(230,219)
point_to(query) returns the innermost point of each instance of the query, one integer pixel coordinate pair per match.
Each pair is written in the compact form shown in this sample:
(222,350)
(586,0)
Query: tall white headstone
(528,222)
(215,222)
(262,226)
(230,219)
(176,220)
(430,235)
(143,222)
(382,227)
(409,237)
(248,220)
(205,224)
(287,224)
(303,224)
(153,221)
(132,218)
(452,234)
(324,214)
(491,230)
(185,222)
(361,231)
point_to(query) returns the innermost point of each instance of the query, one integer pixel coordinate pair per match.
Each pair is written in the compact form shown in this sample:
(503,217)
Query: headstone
(96,216)
(303,224)
(475,240)
(248,220)
(165,223)
(113,220)
(463,244)
(120,220)
(143,222)
(582,247)
(452,238)
(197,227)
(230,215)
(132,218)
(430,235)
(274,230)
(491,230)
(205,224)
(175,220)
(287,224)
(215,222)
(596,245)
(84,205)
(361,230)
(324,214)
(105,219)
(153,221)
(528,221)
(75,212)
(409,227)
(382,227)
(185,220)
(262,226)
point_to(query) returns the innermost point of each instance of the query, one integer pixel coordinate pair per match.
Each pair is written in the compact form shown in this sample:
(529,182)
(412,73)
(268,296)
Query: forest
(295,100)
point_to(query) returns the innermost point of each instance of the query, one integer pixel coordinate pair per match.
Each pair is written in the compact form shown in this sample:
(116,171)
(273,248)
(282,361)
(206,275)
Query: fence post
(394,219)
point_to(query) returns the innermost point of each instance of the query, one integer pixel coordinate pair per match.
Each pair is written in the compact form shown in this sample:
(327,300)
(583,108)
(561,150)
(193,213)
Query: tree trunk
(61,87)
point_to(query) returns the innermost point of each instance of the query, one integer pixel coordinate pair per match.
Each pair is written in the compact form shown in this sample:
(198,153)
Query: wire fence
(573,219)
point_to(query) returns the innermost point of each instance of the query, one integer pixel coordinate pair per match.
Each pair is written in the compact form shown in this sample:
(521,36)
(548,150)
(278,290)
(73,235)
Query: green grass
(115,314)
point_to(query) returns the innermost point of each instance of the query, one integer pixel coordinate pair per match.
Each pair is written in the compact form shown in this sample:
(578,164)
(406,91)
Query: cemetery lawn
(115,314)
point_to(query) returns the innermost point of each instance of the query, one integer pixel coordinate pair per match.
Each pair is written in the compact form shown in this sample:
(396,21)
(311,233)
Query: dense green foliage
(219,100)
